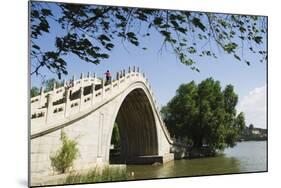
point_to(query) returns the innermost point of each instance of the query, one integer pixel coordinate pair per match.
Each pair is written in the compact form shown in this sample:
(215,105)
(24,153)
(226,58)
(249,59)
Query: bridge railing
(56,104)
(58,93)
(65,105)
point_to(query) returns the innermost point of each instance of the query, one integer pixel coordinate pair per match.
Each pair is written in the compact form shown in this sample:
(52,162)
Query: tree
(90,32)
(205,114)
(63,159)
(115,140)
(34,91)
(49,84)
(175,114)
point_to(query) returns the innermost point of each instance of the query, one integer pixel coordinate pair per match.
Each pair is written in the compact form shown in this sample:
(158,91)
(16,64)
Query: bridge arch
(137,124)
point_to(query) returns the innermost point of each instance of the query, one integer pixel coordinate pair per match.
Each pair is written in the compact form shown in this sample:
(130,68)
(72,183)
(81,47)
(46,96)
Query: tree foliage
(115,139)
(34,91)
(50,83)
(47,84)
(90,32)
(63,159)
(205,114)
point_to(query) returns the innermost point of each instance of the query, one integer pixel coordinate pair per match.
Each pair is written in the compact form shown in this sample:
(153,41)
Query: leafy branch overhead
(91,32)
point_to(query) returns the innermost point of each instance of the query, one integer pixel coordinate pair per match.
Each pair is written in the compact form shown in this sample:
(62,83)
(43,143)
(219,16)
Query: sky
(166,73)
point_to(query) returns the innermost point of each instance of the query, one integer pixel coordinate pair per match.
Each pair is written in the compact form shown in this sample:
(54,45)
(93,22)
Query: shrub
(64,156)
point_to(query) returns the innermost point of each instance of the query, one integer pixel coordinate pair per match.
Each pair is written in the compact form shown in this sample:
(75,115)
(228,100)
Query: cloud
(254,107)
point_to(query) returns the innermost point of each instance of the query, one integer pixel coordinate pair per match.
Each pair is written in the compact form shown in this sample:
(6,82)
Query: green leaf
(36,46)
(105,56)
(132,38)
(167,34)
(131,35)
(120,17)
(158,21)
(46,12)
(182,30)
(103,38)
(230,47)
(197,23)
(190,62)
(237,57)
(247,62)
(191,50)
(109,46)
(242,29)
(175,24)
(258,39)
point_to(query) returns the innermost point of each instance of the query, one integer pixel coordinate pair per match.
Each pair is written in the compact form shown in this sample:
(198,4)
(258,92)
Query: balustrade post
(54,87)
(118,79)
(117,76)
(134,68)
(49,108)
(93,92)
(124,75)
(102,89)
(73,81)
(129,71)
(41,100)
(94,76)
(138,69)
(81,97)
(67,102)
(64,83)
(81,79)
(111,86)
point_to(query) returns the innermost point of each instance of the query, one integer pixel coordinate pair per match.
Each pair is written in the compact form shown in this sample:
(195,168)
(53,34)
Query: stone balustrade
(55,105)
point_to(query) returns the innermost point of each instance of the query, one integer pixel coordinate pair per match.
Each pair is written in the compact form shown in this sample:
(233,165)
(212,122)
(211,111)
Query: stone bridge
(86,111)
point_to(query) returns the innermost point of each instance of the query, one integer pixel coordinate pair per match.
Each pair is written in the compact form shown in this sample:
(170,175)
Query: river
(244,157)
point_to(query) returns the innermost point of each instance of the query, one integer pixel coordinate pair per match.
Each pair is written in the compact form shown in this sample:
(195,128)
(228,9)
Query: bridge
(86,110)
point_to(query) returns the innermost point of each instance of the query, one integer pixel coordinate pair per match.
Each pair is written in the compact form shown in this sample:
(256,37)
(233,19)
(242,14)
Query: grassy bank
(96,175)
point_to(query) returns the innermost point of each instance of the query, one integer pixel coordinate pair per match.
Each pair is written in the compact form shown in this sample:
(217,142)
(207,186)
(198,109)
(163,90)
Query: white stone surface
(91,123)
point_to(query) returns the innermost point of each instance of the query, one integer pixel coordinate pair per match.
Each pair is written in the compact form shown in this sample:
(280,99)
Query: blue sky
(166,73)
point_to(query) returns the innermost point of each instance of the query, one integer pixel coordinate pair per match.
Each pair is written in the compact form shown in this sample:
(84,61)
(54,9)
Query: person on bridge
(108,77)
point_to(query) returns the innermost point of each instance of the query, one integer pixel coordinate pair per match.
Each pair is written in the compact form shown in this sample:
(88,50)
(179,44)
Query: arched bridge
(86,109)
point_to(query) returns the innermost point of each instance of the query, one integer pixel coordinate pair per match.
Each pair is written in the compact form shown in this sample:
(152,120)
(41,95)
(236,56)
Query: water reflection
(245,157)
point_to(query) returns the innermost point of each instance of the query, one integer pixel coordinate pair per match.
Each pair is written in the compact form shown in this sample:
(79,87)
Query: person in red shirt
(108,77)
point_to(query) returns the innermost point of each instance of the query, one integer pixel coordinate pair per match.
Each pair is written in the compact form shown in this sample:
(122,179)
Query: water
(244,157)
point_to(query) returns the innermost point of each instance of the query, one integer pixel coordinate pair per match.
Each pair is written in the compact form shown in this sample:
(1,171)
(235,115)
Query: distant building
(251,133)
(255,131)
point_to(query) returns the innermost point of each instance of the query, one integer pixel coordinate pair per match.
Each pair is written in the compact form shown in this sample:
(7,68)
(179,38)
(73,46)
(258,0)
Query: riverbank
(99,174)
(201,152)
(94,176)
